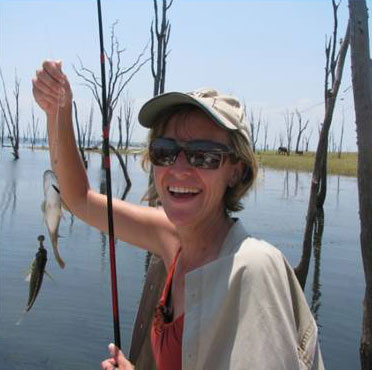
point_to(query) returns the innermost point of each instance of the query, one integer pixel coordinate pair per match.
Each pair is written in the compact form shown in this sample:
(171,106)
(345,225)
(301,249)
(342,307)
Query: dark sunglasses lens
(163,152)
(206,154)
(202,159)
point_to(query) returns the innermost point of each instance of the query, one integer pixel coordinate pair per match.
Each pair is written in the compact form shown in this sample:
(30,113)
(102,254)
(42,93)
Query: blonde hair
(242,153)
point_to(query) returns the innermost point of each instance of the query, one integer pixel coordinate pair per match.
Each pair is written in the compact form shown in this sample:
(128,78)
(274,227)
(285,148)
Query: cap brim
(151,110)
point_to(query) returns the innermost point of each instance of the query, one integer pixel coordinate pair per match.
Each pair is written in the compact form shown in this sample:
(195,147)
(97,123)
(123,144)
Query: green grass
(346,165)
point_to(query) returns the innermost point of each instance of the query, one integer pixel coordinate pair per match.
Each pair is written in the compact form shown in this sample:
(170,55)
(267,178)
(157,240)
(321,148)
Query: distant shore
(344,166)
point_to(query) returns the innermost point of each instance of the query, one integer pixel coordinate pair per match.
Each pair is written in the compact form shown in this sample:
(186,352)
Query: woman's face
(194,196)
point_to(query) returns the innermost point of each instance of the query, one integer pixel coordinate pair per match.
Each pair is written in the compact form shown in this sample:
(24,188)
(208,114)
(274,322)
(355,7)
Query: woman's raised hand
(117,361)
(51,88)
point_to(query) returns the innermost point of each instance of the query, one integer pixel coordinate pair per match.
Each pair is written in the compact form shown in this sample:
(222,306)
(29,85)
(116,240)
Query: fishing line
(106,152)
(54,146)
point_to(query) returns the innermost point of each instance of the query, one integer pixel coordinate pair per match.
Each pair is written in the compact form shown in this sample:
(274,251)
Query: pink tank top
(166,332)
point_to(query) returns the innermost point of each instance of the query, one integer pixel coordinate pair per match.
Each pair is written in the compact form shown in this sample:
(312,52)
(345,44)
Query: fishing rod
(106,160)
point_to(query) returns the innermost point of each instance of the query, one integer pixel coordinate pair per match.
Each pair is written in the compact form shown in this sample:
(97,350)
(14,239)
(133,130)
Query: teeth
(183,190)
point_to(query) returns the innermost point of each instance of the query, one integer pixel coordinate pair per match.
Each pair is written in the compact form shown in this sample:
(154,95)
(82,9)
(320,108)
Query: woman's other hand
(117,360)
(51,88)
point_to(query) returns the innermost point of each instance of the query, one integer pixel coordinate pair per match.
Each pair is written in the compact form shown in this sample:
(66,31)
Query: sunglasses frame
(220,149)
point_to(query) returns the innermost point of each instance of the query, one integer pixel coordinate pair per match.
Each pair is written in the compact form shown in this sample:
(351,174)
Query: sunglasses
(204,154)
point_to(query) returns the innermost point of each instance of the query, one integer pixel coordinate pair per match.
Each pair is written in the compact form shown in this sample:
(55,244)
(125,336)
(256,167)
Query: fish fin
(49,275)
(60,261)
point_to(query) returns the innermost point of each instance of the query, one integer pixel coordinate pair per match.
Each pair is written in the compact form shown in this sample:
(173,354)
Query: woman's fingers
(108,364)
(50,86)
(118,359)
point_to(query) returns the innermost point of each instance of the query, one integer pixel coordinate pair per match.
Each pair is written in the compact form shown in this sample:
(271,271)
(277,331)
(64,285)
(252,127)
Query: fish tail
(54,239)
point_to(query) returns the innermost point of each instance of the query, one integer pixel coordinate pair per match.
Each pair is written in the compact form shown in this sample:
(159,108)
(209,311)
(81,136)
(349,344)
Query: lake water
(70,324)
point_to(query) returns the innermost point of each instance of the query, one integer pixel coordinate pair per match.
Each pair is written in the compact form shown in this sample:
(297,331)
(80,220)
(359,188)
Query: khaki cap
(225,110)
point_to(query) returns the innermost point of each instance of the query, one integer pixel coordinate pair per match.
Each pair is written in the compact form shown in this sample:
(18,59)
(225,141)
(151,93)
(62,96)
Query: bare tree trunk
(2,129)
(341,135)
(34,129)
(120,127)
(301,129)
(90,125)
(255,127)
(11,117)
(162,32)
(125,172)
(362,88)
(81,147)
(288,118)
(318,182)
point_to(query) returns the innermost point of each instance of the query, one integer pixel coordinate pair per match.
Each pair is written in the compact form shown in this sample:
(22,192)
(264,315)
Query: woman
(230,301)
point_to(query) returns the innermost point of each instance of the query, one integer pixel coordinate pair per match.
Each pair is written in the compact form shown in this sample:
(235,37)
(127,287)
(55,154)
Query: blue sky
(268,53)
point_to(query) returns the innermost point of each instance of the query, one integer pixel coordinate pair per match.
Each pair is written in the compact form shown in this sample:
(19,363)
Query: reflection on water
(8,200)
(80,295)
(287,186)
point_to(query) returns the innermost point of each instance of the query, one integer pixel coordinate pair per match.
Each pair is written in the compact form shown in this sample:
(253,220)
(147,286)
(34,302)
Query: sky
(270,54)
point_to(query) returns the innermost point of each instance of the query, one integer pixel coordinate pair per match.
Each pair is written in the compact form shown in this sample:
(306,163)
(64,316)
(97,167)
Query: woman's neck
(202,243)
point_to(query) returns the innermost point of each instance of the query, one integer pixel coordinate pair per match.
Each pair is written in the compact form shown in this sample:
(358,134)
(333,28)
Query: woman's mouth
(183,191)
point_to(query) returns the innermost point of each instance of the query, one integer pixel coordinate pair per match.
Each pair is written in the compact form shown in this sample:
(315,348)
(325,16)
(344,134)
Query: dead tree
(301,128)
(266,130)
(159,58)
(118,75)
(255,124)
(120,127)
(341,135)
(89,127)
(11,117)
(80,136)
(34,134)
(2,123)
(334,68)
(362,89)
(307,140)
(289,120)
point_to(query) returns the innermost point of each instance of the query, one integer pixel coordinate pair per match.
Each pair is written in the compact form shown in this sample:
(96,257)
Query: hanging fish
(52,208)
(36,275)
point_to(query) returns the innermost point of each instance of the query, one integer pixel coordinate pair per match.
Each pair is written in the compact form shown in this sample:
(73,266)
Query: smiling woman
(225,291)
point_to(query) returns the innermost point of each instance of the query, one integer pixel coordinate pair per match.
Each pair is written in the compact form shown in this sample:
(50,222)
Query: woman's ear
(237,174)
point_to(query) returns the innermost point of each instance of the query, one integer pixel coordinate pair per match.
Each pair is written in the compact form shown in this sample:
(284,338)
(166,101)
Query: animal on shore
(36,275)
(52,208)
(282,150)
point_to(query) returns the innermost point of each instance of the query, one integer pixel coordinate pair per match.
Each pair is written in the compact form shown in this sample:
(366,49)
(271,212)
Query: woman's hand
(51,88)
(118,360)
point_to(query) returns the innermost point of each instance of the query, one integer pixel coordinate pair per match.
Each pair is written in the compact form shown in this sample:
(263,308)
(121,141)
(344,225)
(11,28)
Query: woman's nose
(181,159)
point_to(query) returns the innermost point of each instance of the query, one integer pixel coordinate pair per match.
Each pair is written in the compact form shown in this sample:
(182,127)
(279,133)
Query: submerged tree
(34,128)
(161,29)
(11,117)
(118,75)
(289,121)
(301,129)
(334,69)
(362,89)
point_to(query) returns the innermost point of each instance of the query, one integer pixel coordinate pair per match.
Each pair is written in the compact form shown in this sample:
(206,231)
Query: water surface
(70,324)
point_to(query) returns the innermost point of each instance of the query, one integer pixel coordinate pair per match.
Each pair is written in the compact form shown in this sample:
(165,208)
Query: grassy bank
(346,165)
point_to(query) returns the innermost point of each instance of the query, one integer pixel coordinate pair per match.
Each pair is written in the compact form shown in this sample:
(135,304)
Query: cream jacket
(246,310)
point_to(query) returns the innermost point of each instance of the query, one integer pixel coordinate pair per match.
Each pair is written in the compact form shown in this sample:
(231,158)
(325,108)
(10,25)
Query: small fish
(52,208)
(37,274)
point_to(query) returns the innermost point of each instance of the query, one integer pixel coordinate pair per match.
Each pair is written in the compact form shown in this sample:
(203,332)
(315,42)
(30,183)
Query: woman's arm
(146,227)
